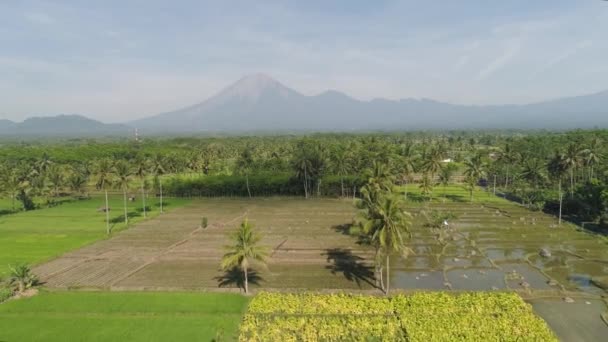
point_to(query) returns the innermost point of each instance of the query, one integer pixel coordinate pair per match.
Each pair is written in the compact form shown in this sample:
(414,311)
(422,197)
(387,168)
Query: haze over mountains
(260,103)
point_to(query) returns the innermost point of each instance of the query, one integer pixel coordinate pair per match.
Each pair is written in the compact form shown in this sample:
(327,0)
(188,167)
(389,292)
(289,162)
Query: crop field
(437,316)
(493,244)
(114,316)
(39,235)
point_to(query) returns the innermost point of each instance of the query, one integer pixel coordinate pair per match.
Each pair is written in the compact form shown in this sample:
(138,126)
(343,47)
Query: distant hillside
(258,102)
(61,125)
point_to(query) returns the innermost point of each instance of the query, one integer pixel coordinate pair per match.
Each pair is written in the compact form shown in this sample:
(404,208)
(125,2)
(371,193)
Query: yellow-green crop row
(432,316)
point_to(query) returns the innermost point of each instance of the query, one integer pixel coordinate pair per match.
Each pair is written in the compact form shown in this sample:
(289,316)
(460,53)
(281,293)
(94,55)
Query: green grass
(117,316)
(38,235)
(451,193)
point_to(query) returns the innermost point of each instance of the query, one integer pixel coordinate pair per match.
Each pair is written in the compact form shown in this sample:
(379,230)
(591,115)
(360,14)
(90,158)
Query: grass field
(39,235)
(105,316)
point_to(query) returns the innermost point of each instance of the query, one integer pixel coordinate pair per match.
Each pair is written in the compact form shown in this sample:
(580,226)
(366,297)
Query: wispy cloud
(511,51)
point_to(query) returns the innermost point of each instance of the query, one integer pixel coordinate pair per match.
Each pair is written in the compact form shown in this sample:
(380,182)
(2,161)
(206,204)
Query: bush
(5,293)
(433,316)
(204,222)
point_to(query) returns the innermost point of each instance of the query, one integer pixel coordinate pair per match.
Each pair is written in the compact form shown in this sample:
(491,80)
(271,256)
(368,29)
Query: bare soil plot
(492,246)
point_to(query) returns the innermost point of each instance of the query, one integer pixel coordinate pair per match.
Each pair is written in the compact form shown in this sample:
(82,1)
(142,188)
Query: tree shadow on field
(350,265)
(121,218)
(236,277)
(351,230)
(415,197)
(458,198)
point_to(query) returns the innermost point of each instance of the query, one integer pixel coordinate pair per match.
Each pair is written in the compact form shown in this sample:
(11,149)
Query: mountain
(61,125)
(259,103)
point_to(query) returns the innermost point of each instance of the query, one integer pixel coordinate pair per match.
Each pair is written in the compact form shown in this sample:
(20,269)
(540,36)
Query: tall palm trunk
(388,269)
(561,200)
(342,184)
(507,178)
(143,196)
(571,182)
(107,214)
(160,183)
(246,280)
(305,182)
(247,180)
(124,198)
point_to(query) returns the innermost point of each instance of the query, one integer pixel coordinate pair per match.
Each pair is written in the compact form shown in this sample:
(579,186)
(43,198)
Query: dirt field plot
(491,246)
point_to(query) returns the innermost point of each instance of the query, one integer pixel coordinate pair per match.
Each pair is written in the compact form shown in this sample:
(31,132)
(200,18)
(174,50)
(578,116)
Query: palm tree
(592,155)
(408,164)
(391,226)
(572,161)
(141,170)
(55,176)
(123,178)
(445,176)
(22,275)
(157,167)
(508,157)
(245,251)
(244,164)
(341,165)
(474,170)
(426,186)
(557,170)
(11,184)
(431,161)
(103,172)
(77,182)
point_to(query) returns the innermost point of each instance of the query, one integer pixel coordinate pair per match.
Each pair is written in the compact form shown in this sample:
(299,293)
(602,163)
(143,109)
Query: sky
(117,60)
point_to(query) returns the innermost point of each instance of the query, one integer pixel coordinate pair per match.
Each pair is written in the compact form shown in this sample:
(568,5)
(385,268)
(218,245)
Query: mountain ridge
(258,102)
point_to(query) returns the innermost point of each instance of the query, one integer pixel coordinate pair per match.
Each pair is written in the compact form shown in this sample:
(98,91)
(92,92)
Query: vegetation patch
(432,316)
(116,316)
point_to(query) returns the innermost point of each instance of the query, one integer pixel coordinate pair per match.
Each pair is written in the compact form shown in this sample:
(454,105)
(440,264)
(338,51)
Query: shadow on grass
(416,197)
(236,277)
(350,265)
(458,198)
(130,215)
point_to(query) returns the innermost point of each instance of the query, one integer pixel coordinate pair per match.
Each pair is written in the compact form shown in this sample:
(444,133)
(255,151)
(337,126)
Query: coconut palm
(244,164)
(141,170)
(341,165)
(592,155)
(508,156)
(123,179)
(431,161)
(390,230)
(77,182)
(245,251)
(557,170)
(22,275)
(408,164)
(157,168)
(445,176)
(55,175)
(103,175)
(11,184)
(572,160)
(426,186)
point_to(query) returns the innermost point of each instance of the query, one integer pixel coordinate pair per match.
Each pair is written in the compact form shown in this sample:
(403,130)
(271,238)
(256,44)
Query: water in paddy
(500,248)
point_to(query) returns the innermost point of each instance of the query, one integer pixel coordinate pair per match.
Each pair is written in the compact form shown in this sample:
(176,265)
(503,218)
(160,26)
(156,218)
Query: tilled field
(490,246)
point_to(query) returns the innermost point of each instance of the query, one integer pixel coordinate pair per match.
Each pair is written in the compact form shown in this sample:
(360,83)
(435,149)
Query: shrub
(204,222)
(5,293)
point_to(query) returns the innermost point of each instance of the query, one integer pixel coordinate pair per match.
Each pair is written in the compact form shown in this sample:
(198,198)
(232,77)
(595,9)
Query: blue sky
(117,60)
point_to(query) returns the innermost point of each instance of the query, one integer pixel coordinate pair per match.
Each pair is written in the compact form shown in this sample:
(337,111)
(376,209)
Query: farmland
(495,245)
(39,235)
(112,316)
